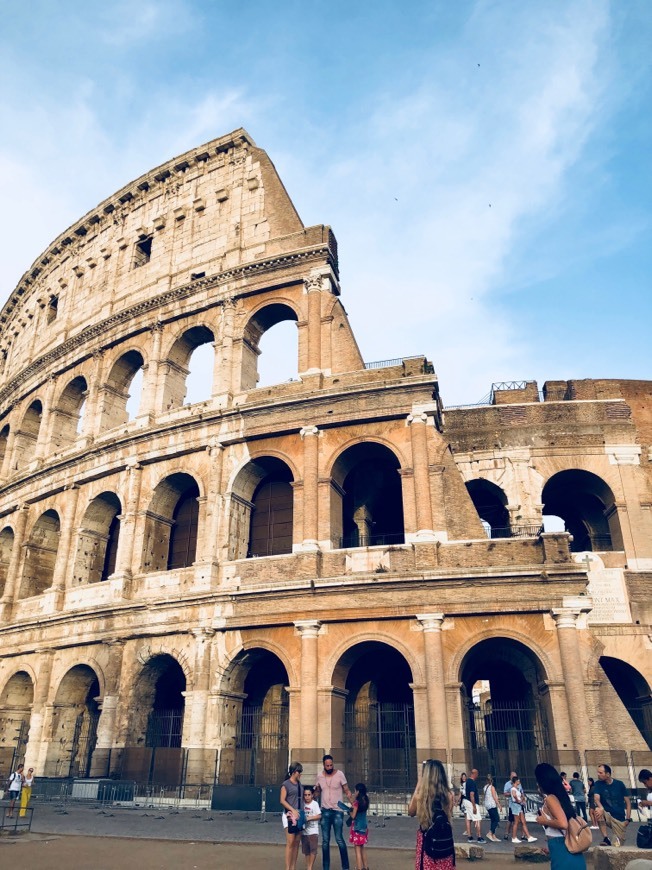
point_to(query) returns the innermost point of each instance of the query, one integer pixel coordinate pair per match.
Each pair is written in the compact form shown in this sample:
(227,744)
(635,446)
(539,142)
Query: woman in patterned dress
(432,793)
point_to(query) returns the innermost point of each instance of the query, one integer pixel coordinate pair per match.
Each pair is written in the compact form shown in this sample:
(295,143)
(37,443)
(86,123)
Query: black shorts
(510,815)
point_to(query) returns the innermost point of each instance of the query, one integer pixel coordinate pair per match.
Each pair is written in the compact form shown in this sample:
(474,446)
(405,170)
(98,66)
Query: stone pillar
(633,512)
(40,723)
(313,288)
(309,631)
(224,376)
(419,439)
(207,549)
(197,699)
(62,574)
(43,440)
(571,662)
(125,554)
(8,462)
(433,651)
(151,401)
(309,435)
(13,569)
(106,727)
(90,422)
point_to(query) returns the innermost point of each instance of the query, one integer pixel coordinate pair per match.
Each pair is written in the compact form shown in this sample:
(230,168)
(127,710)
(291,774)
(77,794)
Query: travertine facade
(304,567)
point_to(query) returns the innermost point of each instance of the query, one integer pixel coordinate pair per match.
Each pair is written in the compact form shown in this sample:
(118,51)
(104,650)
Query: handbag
(644,836)
(578,836)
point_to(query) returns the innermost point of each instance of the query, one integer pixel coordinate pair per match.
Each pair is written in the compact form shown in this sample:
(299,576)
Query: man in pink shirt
(331,787)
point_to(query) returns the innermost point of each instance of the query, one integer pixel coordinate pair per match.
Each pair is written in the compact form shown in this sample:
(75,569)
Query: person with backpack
(432,804)
(555,816)
(14,786)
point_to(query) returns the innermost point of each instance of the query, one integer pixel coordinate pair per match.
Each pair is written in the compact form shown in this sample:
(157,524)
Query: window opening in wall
(279,354)
(142,251)
(135,395)
(183,536)
(199,382)
(111,554)
(52,309)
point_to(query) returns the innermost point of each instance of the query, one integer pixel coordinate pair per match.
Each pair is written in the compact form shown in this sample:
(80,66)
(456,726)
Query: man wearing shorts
(507,791)
(613,806)
(471,807)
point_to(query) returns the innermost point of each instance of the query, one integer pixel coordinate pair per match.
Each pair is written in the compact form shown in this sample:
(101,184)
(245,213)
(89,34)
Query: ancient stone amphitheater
(200,591)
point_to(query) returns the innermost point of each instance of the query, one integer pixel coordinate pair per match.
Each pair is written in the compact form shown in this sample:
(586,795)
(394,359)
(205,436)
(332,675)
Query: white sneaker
(531,839)
(516,840)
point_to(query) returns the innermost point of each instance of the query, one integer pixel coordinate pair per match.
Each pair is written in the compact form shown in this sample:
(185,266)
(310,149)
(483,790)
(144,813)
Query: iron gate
(380,745)
(164,729)
(261,749)
(505,736)
(83,743)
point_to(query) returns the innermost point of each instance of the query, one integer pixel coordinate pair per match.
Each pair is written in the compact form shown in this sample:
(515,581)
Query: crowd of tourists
(561,809)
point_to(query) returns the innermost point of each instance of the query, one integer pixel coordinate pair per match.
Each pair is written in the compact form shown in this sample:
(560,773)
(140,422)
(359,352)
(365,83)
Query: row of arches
(507,718)
(185,374)
(574,500)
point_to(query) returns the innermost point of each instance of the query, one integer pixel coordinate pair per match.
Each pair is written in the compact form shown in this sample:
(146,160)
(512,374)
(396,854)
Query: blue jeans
(332,819)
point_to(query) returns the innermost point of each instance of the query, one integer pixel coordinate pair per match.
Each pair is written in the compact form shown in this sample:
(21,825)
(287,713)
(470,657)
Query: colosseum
(197,591)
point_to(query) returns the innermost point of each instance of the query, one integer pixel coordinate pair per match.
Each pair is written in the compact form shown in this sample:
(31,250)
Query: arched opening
(6,548)
(587,506)
(155,729)
(4,440)
(491,504)
(189,375)
(27,435)
(634,691)
(259,724)
(280,367)
(67,415)
(262,512)
(122,391)
(40,555)
(279,353)
(506,708)
(366,497)
(171,524)
(377,737)
(98,537)
(15,707)
(74,723)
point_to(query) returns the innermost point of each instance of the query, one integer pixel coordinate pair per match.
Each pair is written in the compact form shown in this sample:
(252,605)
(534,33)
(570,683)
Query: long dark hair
(363,797)
(550,782)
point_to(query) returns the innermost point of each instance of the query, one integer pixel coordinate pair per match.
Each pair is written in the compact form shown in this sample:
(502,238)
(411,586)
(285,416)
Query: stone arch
(490,502)
(375,706)
(329,667)
(261,521)
(262,319)
(40,555)
(4,441)
(16,700)
(75,717)
(256,714)
(6,550)
(506,710)
(587,506)
(67,413)
(171,524)
(633,690)
(178,365)
(97,539)
(157,702)
(116,389)
(366,496)
(28,434)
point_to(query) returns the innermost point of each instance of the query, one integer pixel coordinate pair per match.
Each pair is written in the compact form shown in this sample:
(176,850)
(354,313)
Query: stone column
(62,574)
(151,401)
(309,631)
(207,549)
(106,727)
(43,440)
(125,554)
(571,662)
(313,288)
(310,435)
(90,423)
(8,463)
(419,439)
(433,652)
(13,569)
(633,513)
(197,698)
(40,722)
(223,372)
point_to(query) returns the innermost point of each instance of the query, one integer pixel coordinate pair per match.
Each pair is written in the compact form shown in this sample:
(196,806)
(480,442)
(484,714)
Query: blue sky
(486,166)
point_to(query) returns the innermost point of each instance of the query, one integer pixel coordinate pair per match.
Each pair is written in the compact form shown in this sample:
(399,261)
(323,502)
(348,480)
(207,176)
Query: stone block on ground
(531,854)
(469,851)
(617,858)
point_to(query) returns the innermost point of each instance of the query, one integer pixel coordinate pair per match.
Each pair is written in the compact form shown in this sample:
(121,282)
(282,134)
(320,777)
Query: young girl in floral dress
(359,830)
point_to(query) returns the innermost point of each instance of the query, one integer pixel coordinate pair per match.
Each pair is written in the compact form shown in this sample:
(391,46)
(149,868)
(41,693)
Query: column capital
(318,280)
(203,633)
(430,621)
(309,430)
(572,606)
(307,628)
(416,417)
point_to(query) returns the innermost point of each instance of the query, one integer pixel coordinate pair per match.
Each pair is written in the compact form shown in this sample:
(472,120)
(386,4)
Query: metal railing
(518,530)
(352,541)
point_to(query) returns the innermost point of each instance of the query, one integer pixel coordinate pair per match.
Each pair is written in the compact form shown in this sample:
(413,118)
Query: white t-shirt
(15,782)
(312,809)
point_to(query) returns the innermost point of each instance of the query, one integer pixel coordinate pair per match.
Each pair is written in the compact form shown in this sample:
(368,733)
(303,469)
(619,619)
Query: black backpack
(644,837)
(438,839)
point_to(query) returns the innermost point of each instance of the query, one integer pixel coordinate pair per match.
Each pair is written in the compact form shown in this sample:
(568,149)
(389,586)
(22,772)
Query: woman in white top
(491,806)
(26,793)
(555,813)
